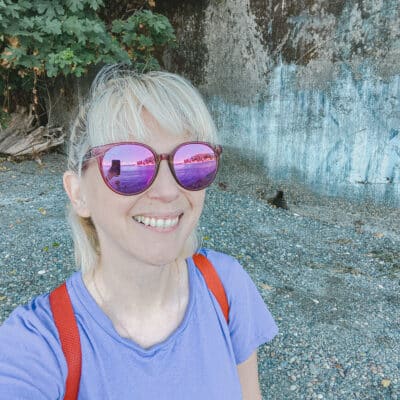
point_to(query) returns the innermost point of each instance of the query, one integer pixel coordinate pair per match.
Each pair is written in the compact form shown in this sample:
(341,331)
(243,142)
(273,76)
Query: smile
(162,223)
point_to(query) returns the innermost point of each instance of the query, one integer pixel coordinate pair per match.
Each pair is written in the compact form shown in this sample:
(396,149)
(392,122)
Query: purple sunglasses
(130,168)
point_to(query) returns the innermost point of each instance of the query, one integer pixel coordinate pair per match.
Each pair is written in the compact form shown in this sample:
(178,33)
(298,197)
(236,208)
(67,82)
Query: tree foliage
(50,38)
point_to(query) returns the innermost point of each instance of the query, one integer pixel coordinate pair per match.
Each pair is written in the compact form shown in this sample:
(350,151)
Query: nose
(164,187)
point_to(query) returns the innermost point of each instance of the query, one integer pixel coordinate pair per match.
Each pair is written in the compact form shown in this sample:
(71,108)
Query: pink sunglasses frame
(98,153)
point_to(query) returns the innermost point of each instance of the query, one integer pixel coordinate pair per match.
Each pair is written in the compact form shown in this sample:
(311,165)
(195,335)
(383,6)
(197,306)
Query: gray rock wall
(310,86)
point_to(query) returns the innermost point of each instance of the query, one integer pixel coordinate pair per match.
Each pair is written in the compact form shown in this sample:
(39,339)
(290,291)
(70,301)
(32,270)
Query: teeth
(157,223)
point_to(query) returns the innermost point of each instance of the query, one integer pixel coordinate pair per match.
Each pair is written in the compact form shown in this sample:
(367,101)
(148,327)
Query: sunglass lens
(129,168)
(195,165)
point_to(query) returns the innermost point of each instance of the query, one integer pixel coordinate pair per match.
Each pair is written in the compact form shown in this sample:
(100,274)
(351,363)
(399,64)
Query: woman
(142,153)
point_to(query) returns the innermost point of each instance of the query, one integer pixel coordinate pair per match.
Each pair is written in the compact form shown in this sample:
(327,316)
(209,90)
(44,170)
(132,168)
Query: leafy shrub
(44,39)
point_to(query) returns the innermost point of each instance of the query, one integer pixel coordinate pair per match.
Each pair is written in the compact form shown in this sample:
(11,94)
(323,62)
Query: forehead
(144,127)
(157,132)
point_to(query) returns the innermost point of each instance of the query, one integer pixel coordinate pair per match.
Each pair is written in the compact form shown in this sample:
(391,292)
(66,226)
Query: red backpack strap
(64,318)
(213,282)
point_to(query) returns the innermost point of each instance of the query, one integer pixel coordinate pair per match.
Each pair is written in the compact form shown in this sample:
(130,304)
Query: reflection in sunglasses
(115,169)
(129,168)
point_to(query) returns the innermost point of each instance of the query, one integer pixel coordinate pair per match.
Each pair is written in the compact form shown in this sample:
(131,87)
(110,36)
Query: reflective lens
(195,165)
(129,168)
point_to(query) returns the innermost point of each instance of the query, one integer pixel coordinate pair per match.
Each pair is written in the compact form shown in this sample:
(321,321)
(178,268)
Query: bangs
(117,105)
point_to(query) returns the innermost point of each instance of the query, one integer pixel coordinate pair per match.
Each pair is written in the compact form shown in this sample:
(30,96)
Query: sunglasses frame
(99,152)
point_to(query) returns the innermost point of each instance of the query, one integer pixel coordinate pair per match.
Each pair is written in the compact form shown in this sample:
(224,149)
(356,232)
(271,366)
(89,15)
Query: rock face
(311,86)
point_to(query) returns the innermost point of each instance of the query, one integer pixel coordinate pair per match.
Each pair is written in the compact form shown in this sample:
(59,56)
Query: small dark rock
(278,201)
(358,226)
(222,185)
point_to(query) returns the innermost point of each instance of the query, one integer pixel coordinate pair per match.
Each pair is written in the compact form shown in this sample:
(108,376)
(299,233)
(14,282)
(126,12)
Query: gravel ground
(328,269)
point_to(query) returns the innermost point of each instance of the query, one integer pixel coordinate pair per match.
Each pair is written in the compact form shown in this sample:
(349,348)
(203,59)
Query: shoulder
(250,321)
(223,259)
(30,353)
(33,318)
(229,270)
(236,281)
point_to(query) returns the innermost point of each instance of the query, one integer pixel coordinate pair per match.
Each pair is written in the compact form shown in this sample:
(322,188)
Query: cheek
(94,191)
(197,201)
(99,198)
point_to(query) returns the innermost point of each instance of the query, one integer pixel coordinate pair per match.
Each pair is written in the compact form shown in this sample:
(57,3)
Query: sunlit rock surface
(311,86)
(343,140)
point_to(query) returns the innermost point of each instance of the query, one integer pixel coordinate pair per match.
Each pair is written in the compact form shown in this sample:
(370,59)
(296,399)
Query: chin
(161,257)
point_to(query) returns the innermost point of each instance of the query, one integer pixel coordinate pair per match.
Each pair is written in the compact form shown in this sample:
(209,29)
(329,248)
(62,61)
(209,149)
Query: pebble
(301,362)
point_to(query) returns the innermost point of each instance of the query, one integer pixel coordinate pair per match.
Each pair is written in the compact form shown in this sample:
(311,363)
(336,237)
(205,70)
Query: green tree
(43,40)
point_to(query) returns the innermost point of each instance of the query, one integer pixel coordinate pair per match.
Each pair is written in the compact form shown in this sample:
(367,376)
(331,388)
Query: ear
(72,185)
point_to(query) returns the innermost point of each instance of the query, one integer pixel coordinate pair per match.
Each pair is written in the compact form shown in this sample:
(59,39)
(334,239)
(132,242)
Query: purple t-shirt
(197,361)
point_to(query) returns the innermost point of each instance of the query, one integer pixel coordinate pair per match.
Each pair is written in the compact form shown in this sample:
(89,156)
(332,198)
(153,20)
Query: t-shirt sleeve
(250,322)
(29,356)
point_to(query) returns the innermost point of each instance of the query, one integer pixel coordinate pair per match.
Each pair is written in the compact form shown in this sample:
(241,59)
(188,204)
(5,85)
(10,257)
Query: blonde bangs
(116,112)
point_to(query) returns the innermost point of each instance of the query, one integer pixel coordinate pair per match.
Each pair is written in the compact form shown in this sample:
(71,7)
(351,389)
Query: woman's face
(117,218)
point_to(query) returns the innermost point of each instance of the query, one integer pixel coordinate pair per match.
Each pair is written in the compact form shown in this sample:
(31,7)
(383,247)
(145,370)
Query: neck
(144,302)
(137,288)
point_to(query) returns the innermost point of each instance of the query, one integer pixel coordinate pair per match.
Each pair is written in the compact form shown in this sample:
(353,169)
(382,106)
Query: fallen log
(23,136)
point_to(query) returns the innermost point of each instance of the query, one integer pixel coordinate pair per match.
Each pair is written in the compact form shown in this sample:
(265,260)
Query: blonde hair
(113,113)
